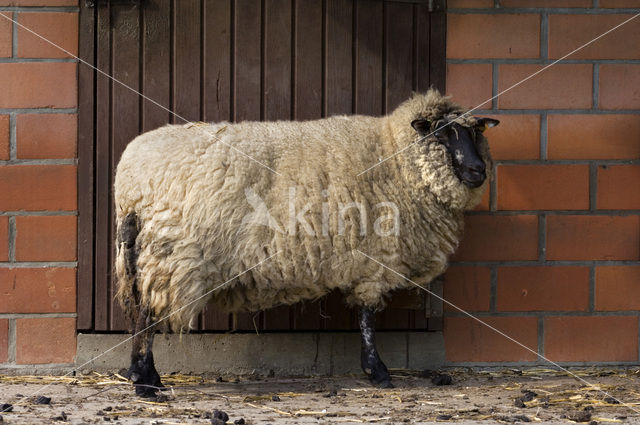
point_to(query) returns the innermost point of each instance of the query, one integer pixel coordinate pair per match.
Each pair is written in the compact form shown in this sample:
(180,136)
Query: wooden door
(212,60)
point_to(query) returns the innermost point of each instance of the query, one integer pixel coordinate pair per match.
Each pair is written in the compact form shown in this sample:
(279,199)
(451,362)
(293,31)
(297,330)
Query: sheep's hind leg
(369,358)
(142,371)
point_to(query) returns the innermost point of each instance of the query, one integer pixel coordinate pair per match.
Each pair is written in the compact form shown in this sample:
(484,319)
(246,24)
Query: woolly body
(191,193)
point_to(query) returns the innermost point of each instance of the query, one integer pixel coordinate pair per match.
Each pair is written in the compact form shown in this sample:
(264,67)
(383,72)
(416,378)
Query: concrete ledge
(285,354)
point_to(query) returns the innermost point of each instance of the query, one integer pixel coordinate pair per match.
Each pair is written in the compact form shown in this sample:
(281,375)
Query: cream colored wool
(189,194)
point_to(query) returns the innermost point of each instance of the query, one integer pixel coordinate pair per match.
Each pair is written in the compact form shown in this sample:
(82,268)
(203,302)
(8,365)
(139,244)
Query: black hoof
(382,384)
(379,376)
(144,376)
(441,379)
(145,391)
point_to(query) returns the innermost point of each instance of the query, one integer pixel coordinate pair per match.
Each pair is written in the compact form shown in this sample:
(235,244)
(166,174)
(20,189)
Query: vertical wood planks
(398,54)
(277,60)
(125,106)
(247,59)
(187,60)
(437,50)
(156,63)
(339,57)
(308,60)
(103,171)
(217,61)
(422,35)
(337,315)
(369,57)
(86,182)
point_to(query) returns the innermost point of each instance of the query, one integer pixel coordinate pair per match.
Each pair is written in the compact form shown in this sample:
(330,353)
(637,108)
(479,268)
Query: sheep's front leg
(142,371)
(369,358)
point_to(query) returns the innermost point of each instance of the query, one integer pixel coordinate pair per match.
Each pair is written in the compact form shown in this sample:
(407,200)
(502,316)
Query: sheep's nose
(478,168)
(475,175)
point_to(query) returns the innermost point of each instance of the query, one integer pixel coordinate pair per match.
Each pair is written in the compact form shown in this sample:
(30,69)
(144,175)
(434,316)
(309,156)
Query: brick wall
(38,133)
(552,255)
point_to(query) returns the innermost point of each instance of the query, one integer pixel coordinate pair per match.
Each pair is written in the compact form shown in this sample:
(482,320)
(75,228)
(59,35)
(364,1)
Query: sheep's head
(448,148)
(460,138)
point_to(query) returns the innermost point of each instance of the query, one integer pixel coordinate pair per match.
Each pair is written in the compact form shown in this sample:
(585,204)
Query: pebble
(43,400)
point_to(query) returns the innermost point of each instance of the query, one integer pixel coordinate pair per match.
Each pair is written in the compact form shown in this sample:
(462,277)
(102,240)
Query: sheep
(279,212)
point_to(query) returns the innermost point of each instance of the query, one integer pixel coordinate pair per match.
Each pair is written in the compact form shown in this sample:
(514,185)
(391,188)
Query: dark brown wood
(187,76)
(103,120)
(369,57)
(86,112)
(217,61)
(422,37)
(277,59)
(437,50)
(246,51)
(308,60)
(278,319)
(307,315)
(239,60)
(339,57)
(398,54)
(125,109)
(156,63)
(338,316)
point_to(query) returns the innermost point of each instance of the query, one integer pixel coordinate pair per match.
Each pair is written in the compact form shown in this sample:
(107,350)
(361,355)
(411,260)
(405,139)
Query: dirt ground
(487,396)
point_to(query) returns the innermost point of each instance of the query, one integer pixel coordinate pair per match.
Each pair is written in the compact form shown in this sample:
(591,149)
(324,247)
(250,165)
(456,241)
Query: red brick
(38,187)
(618,3)
(619,86)
(38,2)
(468,288)
(493,36)
(618,187)
(46,238)
(61,28)
(466,90)
(543,187)
(568,32)
(546,3)
(593,237)
(50,290)
(499,238)
(516,137)
(4,340)
(6,35)
(47,136)
(617,288)
(591,339)
(4,238)
(38,85)
(4,137)
(593,137)
(48,340)
(560,86)
(543,289)
(467,340)
(463,4)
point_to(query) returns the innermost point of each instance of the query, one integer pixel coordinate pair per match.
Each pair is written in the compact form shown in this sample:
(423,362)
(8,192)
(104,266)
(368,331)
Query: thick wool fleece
(195,197)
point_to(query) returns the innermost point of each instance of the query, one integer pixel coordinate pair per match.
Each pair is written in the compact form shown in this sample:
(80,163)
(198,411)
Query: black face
(460,142)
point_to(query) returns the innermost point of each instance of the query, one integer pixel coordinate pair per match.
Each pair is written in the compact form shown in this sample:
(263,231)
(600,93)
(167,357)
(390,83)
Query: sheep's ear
(484,123)
(421,125)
